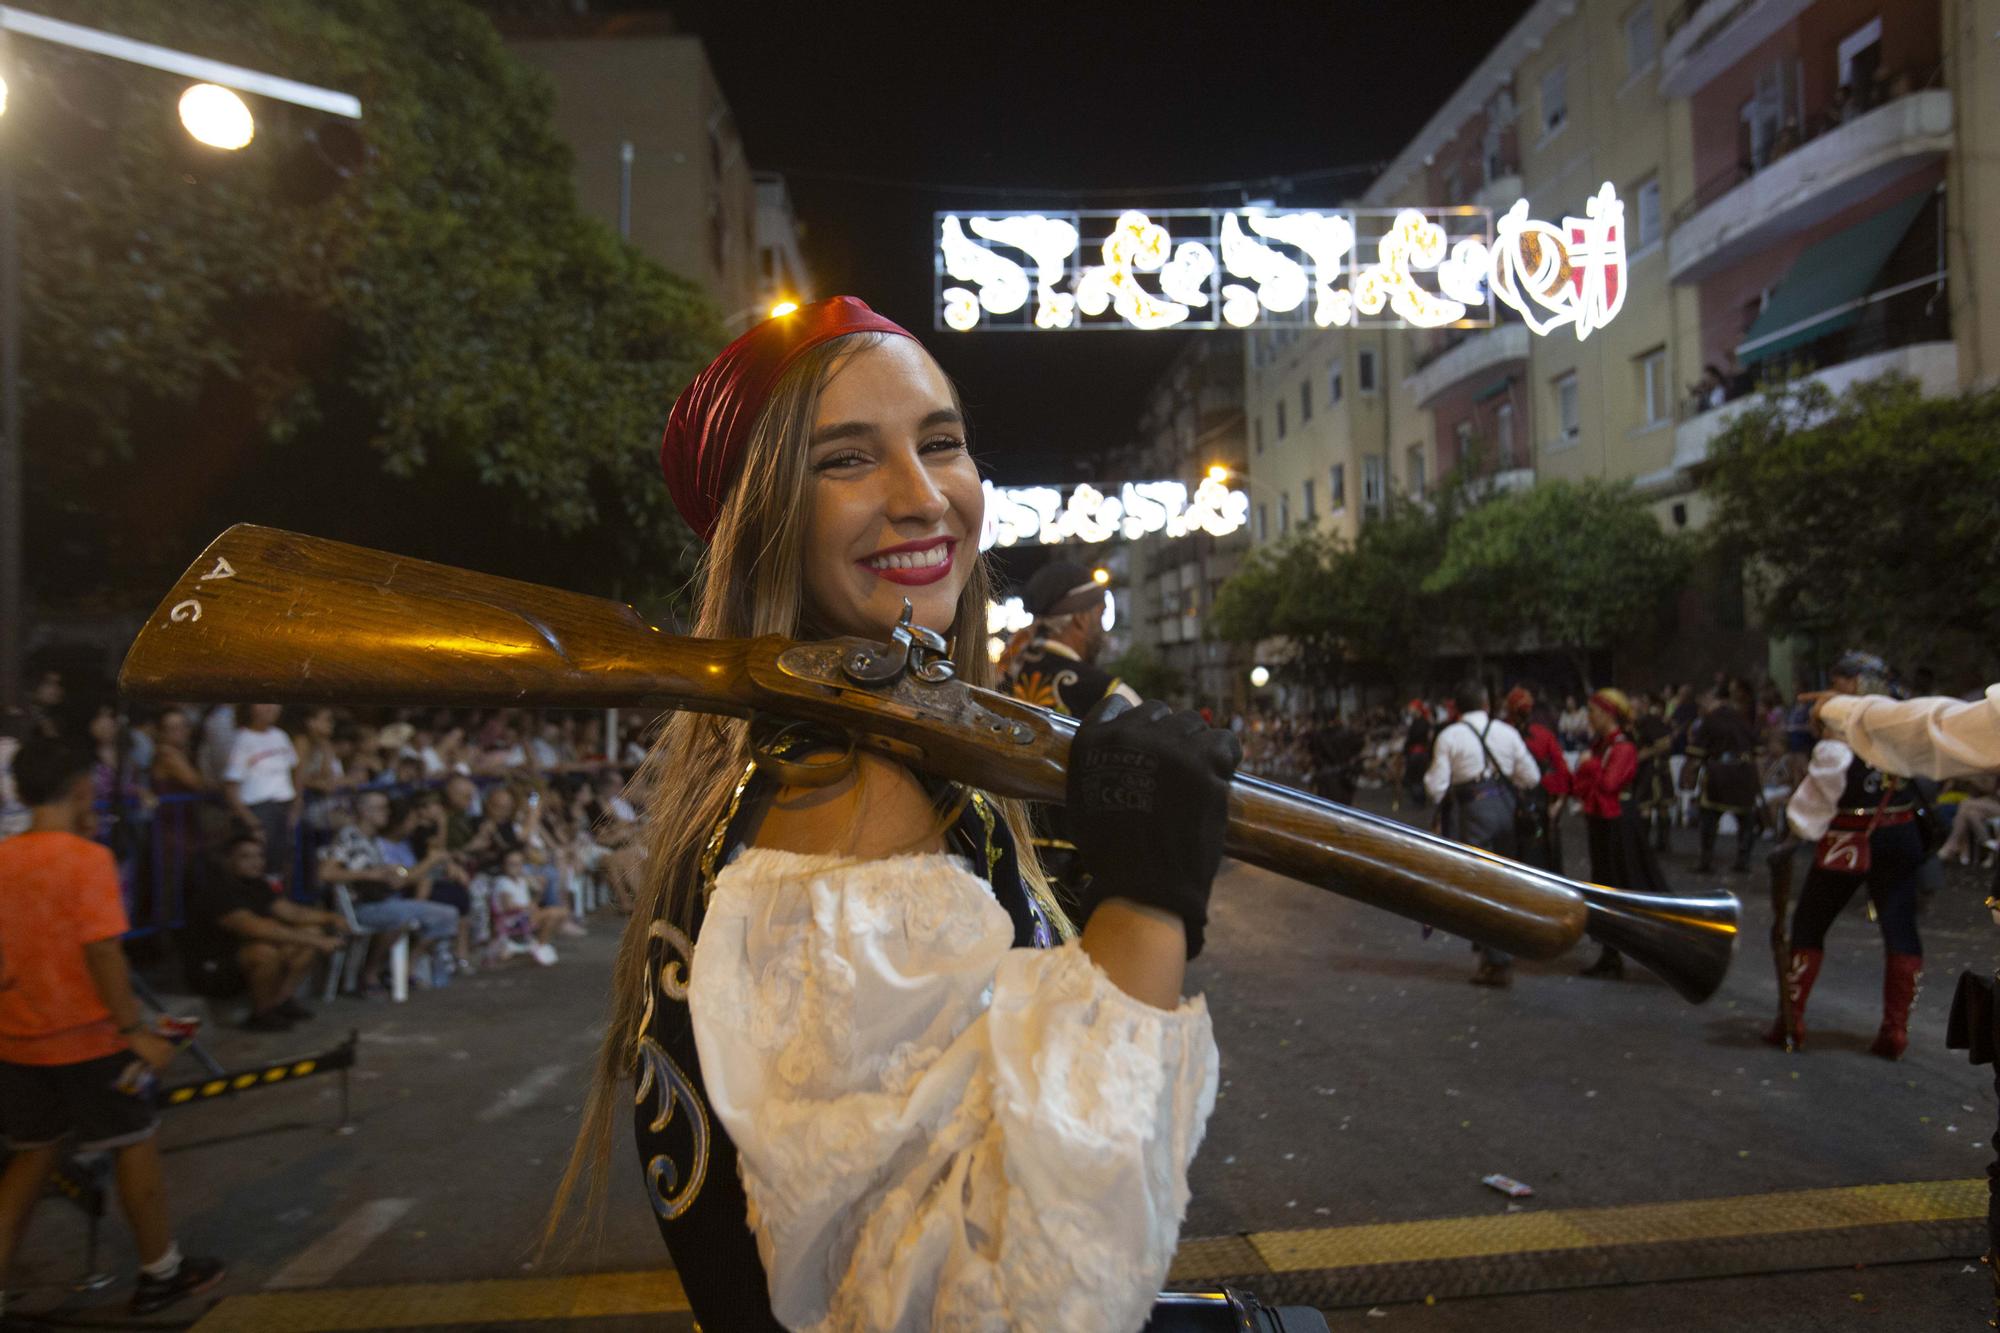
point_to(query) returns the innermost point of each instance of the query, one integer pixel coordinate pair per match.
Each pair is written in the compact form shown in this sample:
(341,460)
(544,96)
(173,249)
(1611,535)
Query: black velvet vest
(689,1163)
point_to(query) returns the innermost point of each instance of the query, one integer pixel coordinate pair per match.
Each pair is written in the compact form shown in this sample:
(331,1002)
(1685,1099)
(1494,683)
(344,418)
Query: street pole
(12,611)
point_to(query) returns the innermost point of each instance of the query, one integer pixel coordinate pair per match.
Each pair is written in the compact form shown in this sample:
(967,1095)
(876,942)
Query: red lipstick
(912,564)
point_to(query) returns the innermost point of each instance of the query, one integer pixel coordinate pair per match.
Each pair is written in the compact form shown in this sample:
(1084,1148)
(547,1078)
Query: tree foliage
(1349,609)
(1570,566)
(439,353)
(1872,516)
(1557,566)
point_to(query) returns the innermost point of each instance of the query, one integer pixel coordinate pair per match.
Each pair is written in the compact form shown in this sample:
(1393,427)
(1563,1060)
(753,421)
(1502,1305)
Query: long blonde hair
(751,583)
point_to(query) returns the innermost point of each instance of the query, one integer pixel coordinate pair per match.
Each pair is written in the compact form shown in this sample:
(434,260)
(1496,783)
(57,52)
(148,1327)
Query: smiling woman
(838,1002)
(894,493)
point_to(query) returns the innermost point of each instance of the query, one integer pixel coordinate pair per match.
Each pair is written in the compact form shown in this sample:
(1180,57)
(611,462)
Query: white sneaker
(545,954)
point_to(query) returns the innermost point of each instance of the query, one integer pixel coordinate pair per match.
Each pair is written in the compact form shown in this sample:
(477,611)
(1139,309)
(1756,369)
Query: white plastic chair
(343,970)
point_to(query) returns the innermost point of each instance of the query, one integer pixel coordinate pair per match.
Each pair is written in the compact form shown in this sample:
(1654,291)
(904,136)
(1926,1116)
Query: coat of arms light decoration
(1244,267)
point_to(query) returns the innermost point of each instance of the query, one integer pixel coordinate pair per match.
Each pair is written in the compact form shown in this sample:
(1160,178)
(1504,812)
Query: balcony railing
(1908,319)
(1840,110)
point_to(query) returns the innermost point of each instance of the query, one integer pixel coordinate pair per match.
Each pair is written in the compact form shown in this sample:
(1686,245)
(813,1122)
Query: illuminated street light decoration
(1044,516)
(1252,266)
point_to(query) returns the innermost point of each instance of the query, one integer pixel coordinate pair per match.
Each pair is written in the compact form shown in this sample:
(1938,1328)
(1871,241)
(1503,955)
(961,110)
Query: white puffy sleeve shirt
(937,1130)
(1817,799)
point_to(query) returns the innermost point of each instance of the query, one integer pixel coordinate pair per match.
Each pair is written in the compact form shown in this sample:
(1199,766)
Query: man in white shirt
(257,782)
(1479,769)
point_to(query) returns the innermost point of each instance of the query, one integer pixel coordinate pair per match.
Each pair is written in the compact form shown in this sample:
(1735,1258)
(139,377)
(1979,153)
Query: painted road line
(439,1304)
(524,1093)
(320,1261)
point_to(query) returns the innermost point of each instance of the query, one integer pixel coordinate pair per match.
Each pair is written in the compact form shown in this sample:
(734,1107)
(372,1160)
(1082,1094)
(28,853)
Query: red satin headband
(1613,702)
(711,421)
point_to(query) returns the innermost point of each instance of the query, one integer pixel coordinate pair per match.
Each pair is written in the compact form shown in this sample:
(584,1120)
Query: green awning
(1824,290)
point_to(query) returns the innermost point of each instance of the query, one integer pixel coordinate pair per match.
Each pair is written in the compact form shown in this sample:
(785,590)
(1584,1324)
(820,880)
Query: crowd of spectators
(261,841)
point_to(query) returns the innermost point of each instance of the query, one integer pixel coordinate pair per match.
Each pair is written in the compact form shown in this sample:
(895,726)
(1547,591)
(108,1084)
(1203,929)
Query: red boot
(1899,991)
(1799,978)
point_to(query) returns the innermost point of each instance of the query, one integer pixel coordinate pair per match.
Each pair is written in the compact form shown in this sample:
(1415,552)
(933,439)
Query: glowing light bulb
(1260,676)
(783,308)
(217,117)
(1217,472)
(1100,576)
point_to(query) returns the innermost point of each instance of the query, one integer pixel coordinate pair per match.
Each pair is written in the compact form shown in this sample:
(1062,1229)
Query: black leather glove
(1149,804)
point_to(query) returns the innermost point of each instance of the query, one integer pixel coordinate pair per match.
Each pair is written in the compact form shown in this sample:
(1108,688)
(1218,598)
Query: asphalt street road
(1364,1082)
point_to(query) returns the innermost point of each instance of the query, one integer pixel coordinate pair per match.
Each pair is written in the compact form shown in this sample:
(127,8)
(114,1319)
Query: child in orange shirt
(69,1025)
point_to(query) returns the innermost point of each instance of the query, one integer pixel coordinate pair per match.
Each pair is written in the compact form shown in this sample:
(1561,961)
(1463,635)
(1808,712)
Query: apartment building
(1823,235)
(658,156)
(1802,181)
(1166,586)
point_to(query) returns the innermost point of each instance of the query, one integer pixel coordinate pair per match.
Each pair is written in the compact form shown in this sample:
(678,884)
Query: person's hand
(1817,698)
(1148,797)
(330,941)
(154,1049)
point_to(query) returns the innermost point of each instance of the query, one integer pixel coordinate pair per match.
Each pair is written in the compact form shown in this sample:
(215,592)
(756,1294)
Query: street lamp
(1260,675)
(217,117)
(214,113)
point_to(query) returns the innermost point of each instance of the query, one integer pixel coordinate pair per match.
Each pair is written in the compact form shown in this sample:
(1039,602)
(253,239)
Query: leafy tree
(1141,668)
(1576,566)
(1871,517)
(1350,609)
(439,354)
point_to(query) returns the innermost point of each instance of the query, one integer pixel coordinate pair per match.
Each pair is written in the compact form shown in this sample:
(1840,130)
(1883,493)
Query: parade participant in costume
(1547,800)
(1620,855)
(1864,822)
(1416,753)
(879,1081)
(1058,667)
(1722,766)
(1652,786)
(1477,778)
(1336,750)
(1918,738)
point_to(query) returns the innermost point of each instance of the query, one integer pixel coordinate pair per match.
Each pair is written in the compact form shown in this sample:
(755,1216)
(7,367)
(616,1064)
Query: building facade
(658,157)
(1801,181)
(1166,586)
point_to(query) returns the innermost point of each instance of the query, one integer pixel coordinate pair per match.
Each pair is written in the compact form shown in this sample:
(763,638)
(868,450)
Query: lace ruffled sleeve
(937,1130)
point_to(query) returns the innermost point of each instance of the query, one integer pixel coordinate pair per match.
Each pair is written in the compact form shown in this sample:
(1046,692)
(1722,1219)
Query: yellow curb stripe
(428,1305)
(592,1295)
(1636,1224)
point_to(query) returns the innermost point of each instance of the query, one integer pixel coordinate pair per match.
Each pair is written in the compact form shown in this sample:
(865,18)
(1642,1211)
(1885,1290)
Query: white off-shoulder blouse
(937,1130)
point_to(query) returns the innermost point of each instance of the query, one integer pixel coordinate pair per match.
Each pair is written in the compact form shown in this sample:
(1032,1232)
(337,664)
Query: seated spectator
(377,873)
(516,918)
(418,822)
(244,932)
(1969,820)
(615,826)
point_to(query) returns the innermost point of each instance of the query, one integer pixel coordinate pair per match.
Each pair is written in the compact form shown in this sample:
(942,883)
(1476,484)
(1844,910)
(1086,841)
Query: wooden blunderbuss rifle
(272,615)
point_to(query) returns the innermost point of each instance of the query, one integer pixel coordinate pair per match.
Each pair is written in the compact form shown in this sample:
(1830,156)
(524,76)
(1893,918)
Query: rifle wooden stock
(272,615)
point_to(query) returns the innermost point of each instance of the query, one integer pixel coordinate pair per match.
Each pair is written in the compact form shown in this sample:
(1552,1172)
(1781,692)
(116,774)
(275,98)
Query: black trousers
(1746,833)
(1894,855)
(1482,817)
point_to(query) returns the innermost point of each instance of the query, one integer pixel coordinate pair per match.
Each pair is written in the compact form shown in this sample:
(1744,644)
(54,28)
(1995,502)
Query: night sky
(881,113)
